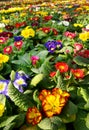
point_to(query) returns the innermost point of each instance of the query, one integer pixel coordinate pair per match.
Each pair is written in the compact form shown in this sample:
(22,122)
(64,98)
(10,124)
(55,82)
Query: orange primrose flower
(78,73)
(33,116)
(62,67)
(54,102)
(43,94)
(52,105)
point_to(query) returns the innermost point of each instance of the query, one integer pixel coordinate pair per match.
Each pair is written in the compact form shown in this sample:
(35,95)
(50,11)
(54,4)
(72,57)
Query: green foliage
(51,123)
(20,100)
(69,112)
(80,122)
(81,61)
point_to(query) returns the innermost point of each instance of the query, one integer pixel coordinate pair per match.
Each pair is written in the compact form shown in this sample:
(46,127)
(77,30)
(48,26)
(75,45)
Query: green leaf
(20,119)
(45,124)
(35,96)
(42,54)
(1,77)
(29,127)
(12,75)
(85,81)
(70,108)
(7,120)
(41,34)
(50,123)
(69,113)
(36,79)
(62,127)
(2,99)
(23,60)
(87,121)
(86,106)
(80,122)
(9,126)
(84,93)
(46,66)
(60,83)
(81,61)
(21,100)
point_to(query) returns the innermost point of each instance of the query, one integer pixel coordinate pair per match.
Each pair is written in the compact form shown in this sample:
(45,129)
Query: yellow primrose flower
(83,36)
(3,58)
(6,21)
(2,108)
(28,32)
(87,35)
(77,24)
(1,30)
(53,103)
(22,14)
(43,13)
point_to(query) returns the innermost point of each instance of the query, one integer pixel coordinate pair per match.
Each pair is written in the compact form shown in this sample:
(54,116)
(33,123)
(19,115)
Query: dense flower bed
(44,67)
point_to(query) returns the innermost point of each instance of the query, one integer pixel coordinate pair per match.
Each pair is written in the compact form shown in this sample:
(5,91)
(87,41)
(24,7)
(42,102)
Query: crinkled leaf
(80,122)
(23,60)
(29,127)
(10,126)
(87,121)
(12,75)
(1,77)
(45,124)
(35,96)
(36,79)
(20,119)
(85,81)
(42,54)
(50,123)
(84,93)
(5,121)
(46,66)
(86,106)
(70,108)
(2,99)
(12,121)
(21,100)
(60,83)
(81,61)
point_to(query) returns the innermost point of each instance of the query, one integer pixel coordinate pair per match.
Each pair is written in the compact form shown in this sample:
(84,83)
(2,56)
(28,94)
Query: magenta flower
(34,59)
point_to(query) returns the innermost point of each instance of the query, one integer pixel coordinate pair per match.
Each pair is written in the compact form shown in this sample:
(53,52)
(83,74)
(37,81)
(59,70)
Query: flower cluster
(44,66)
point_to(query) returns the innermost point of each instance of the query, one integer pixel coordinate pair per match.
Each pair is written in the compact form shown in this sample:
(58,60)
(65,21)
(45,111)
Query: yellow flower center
(1,86)
(20,81)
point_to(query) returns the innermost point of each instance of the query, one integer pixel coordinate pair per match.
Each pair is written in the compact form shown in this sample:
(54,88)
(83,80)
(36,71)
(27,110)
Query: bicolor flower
(70,34)
(52,74)
(46,29)
(52,105)
(18,44)
(7,50)
(43,94)
(53,101)
(20,81)
(62,67)
(4,87)
(78,73)
(33,116)
(2,40)
(51,46)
